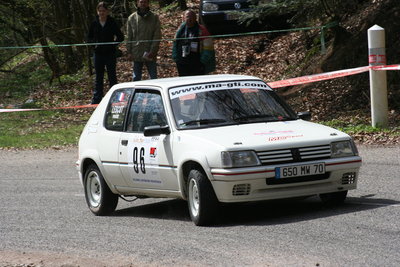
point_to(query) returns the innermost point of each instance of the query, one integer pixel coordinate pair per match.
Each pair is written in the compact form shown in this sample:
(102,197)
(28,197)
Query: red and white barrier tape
(386,67)
(318,77)
(276,84)
(329,75)
(17,109)
(33,109)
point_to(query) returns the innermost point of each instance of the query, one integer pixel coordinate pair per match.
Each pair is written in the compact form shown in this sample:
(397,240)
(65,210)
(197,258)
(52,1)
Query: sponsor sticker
(142,156)
(121,97)
(281,138)
(153,152)
(275,132)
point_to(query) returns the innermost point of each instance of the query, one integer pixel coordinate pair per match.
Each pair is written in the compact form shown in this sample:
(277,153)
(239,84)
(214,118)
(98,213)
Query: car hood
(273,135)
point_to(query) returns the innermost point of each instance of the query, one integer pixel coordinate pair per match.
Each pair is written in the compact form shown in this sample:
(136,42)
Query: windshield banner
(205,87)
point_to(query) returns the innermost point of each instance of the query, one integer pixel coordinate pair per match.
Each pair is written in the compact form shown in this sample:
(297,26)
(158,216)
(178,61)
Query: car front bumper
(259,183)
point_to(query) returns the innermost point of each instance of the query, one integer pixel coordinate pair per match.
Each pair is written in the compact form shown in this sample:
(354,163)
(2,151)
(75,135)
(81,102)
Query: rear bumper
(250,184)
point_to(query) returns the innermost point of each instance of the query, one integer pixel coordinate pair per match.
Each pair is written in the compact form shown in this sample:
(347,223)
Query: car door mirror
(305,115)
(156,130)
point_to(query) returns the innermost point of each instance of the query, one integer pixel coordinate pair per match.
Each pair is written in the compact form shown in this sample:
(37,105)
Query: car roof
(187,80)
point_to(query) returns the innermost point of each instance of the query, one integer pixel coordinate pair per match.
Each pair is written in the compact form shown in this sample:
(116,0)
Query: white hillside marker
(378,79)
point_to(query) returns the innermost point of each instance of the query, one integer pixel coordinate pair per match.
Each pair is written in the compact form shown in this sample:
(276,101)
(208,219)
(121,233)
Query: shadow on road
(292,211)
(260,213)
(171,209)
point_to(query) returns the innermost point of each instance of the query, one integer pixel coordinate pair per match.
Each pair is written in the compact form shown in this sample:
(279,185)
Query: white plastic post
(378,79)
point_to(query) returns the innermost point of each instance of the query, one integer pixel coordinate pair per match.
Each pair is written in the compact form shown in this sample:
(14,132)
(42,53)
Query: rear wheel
(202,201)
(335,198)
(99,198)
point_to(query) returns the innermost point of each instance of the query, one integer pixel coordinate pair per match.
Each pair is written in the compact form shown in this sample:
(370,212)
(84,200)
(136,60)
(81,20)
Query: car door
(148,161)
(108,145)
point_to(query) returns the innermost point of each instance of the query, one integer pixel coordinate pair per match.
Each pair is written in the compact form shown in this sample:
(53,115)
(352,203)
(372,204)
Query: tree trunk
(51,60)
(182,4)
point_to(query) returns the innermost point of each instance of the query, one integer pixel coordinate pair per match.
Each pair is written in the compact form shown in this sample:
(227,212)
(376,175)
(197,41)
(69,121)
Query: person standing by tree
(104,29)
(143,34)
(193,51)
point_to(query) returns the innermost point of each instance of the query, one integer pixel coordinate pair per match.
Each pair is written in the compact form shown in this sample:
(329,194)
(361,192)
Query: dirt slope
(295,54)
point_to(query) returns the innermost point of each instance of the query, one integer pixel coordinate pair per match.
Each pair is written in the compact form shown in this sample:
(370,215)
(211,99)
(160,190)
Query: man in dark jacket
(104,30)
(193,49)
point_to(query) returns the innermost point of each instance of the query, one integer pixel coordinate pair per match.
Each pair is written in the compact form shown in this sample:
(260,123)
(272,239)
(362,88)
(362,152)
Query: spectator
(144,34)
(104,29)
(193,51)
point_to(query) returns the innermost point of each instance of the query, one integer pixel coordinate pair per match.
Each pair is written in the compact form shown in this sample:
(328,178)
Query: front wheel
(99,198)
(334,198)
(202,201)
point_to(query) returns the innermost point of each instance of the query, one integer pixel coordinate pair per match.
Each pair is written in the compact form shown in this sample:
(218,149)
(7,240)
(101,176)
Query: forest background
(39,68)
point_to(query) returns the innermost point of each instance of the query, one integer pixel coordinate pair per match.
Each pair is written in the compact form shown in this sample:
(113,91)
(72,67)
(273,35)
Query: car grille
(349,178)
(299,154)
(241,189)
(231,6)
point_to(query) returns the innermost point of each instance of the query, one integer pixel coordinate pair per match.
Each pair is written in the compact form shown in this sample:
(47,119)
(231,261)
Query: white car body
(133,164)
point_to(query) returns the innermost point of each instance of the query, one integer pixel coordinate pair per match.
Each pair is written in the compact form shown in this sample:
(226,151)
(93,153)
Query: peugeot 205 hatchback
(209,140)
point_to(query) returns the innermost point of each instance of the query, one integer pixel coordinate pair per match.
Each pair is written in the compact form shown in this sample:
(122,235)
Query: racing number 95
(138,160)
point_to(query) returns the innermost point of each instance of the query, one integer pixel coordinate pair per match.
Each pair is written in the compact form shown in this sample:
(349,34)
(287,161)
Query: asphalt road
(44,221)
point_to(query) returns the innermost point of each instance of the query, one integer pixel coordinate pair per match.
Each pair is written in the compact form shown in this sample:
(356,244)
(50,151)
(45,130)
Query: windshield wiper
(203,121)
(256,116)
(262,116)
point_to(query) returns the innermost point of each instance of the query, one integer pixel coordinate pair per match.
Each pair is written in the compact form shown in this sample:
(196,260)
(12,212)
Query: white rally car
(209,140)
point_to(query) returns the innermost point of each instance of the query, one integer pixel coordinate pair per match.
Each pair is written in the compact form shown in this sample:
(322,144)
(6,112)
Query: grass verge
(41,129)
(357,128)
(26,71)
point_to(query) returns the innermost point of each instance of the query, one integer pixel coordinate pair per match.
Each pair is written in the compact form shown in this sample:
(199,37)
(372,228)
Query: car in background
(221,16)
(209,140)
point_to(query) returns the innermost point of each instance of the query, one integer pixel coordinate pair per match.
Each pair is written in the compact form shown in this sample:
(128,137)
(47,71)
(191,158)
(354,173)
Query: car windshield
(211,108)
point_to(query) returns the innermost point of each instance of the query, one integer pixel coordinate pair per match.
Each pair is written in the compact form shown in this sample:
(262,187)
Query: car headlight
(210,7)
(343,149)
(232,159)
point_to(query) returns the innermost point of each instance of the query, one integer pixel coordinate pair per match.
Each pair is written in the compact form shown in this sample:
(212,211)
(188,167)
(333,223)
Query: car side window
(147,110)
(116,110)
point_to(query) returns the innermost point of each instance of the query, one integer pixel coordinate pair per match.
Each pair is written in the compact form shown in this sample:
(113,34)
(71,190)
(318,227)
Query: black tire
(202,201)
(335,198)
(99,198)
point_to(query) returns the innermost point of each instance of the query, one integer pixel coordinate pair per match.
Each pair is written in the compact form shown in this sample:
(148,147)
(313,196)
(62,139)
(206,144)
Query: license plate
(299,170)
(232,16)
